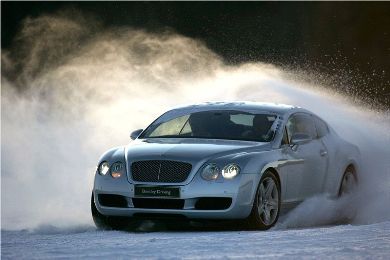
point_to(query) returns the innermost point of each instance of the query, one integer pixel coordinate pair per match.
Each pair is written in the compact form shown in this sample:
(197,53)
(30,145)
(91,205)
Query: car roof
(240,105)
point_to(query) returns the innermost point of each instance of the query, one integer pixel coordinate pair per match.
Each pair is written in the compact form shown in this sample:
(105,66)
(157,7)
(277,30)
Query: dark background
(347,42)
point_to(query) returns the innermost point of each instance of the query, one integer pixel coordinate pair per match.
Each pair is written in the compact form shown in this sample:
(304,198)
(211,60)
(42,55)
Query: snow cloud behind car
(71,88)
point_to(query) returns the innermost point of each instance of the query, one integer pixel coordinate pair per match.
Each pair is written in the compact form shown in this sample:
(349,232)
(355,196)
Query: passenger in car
(260,129)
(199,129)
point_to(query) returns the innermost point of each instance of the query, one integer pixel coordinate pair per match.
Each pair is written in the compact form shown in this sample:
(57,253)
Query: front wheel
(107,222)
(266,206)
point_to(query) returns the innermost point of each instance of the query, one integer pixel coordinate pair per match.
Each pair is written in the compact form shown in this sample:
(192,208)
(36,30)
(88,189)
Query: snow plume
(72,88)
(370,132)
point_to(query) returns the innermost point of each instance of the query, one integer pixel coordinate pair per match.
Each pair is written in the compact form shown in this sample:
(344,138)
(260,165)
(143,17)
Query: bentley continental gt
(223,161)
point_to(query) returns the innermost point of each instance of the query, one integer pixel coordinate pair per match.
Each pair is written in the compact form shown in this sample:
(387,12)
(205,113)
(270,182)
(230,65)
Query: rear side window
(301,123)
(322,127)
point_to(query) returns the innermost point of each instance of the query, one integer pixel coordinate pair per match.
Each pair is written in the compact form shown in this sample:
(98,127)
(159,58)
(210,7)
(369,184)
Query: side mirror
(135,134)
(300,138)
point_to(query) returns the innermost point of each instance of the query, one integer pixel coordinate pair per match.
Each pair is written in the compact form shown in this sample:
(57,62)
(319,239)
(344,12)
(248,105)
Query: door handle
(323,152)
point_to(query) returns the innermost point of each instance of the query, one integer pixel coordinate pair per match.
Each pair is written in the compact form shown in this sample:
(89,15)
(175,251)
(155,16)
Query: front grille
(158,203)
(160,171)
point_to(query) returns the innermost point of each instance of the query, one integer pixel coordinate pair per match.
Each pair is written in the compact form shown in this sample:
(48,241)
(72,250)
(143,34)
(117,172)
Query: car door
(305,176)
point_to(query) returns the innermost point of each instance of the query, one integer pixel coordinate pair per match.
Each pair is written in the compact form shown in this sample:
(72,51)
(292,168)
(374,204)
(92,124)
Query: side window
(301,123)
(322,127)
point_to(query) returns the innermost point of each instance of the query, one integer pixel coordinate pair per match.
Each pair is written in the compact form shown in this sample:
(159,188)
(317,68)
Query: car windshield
(225,124)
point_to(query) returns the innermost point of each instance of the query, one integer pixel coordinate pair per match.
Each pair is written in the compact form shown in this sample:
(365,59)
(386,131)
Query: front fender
(111,156)
(256,163)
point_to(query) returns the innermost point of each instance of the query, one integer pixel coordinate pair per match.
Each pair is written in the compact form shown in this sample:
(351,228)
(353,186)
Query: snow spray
(72,88)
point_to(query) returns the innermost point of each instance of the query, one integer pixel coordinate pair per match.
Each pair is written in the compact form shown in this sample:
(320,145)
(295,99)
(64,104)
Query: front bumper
(240,191)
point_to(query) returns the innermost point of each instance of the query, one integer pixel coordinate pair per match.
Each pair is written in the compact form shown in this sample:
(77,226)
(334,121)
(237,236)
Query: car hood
(188,149)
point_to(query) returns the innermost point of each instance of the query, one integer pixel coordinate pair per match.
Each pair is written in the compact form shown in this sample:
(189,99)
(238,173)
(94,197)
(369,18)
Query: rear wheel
(348,186)
(266,206)
(349,182)
(107,222)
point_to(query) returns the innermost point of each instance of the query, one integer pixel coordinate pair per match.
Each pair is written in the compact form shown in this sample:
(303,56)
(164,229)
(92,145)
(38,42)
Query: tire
(348,186)
(349,182)
(107,222)
(266,205)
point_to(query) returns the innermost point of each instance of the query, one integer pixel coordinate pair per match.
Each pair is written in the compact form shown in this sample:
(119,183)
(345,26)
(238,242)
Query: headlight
(210,172)
(104,167)
(117,169)
(230,171)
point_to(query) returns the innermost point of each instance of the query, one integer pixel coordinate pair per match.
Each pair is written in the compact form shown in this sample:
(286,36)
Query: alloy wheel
(268,201)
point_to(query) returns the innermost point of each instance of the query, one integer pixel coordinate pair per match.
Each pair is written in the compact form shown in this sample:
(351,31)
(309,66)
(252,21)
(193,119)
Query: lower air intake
(213,203)
(158,203)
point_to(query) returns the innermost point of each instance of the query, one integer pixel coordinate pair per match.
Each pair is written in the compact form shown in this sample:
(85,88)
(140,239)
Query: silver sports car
(215,161)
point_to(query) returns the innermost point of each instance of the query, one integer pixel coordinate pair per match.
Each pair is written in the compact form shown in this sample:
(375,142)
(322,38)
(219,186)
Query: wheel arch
(349,168)
(275,172)
(350,164)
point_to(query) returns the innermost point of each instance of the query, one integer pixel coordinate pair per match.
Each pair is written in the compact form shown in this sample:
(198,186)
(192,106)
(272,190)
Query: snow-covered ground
(115,81)
(343,241)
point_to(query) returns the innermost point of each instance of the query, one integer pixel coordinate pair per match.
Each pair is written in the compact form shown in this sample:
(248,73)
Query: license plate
(152,191)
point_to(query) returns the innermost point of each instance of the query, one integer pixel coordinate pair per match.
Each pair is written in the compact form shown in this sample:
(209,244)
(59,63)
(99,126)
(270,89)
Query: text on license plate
(152,191)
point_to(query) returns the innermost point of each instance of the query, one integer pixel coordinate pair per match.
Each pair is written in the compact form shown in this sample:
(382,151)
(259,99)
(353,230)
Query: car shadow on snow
(318,211)
(184,225)
(159,225)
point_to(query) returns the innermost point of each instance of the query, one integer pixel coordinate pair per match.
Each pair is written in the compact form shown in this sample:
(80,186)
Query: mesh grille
(160,171)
